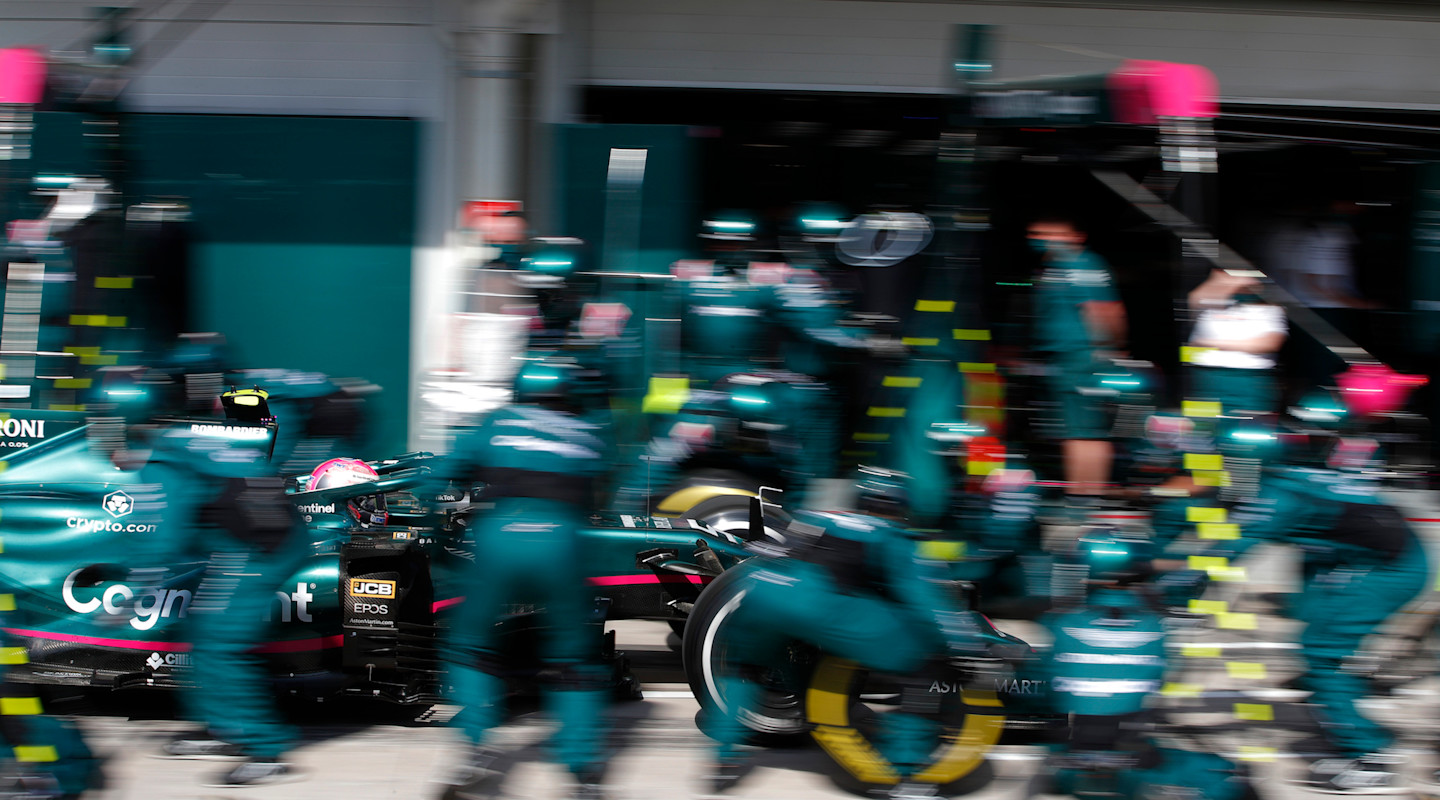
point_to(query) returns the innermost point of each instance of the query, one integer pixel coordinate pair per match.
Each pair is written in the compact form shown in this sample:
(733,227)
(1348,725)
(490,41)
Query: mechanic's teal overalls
(859,591)
(1070,279)
(1108,658)
(771,412)
(728,325)
(232,510)
(35,744)
(1362,563)
(1002,548)
(538,467)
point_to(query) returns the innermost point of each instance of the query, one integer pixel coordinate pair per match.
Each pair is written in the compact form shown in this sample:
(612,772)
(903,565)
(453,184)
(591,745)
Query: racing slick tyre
(779,717)
(846,707)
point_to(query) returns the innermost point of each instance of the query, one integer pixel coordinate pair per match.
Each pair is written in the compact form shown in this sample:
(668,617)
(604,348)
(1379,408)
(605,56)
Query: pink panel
(1142,91)
(1376,389)
(22,75)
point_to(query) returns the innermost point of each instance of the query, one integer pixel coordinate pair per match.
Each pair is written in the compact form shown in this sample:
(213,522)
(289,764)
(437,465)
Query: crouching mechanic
(216,487)
(539,464)
(856,586)
(1362,563)
(1108,659)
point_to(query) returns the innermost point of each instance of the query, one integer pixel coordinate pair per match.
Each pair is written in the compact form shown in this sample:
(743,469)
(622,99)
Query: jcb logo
(364,588)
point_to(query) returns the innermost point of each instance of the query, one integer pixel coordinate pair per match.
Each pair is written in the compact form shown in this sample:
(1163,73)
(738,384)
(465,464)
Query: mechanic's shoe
(1355,776)
(200,747)
(723,774)
(255,772)
(588,790)
(479,766)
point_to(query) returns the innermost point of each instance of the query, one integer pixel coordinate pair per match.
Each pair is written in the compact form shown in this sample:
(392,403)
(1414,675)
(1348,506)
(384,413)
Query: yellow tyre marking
(827,706)
(691,496)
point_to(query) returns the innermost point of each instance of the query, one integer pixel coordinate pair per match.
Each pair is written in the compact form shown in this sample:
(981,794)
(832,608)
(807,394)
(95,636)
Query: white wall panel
(1320,52)
(328,57)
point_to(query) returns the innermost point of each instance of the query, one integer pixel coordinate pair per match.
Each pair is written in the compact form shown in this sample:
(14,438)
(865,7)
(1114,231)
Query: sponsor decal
(1002,686)
(172,660)
(107,526)
(20,429)
(361,587)
(147,607)
(118,504)
(403,535)
(1035,104)
(317,508)
(294,605)
(229,431)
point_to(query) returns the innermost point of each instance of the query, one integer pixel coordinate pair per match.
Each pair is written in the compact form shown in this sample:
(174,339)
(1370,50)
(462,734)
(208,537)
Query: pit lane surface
(658,752)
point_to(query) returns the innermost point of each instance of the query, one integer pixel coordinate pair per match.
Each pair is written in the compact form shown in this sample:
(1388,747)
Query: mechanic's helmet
(755,400)
(1114,557)
(821,223)
(131,394)
(366,509)
(551,262)
(556,383)
(882,492)
(730,226)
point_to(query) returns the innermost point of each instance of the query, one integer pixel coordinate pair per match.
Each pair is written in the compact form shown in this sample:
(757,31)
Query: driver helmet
(368,509)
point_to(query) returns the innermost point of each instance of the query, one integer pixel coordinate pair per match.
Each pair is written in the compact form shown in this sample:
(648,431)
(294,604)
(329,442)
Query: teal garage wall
(301,238)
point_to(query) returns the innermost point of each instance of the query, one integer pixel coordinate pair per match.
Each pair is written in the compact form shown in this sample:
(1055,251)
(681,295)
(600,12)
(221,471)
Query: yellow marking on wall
(72,383)
(7,602)
(900,382)
(1210,461)
(935,305)
(1181,690)
(1254,712)
(983,467)
(1199,651)
(1208,607)
(1200,408)
(1218,530)
(114,283)
(1253,753)
(917,341)
(885,411)
(1237,622)
(973,367)
(1249,670)
(1203,514)
(971,334)
(872,437)
(1209,478)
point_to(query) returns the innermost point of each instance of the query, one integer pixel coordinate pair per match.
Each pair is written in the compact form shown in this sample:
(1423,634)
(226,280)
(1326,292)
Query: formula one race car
(360,617)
